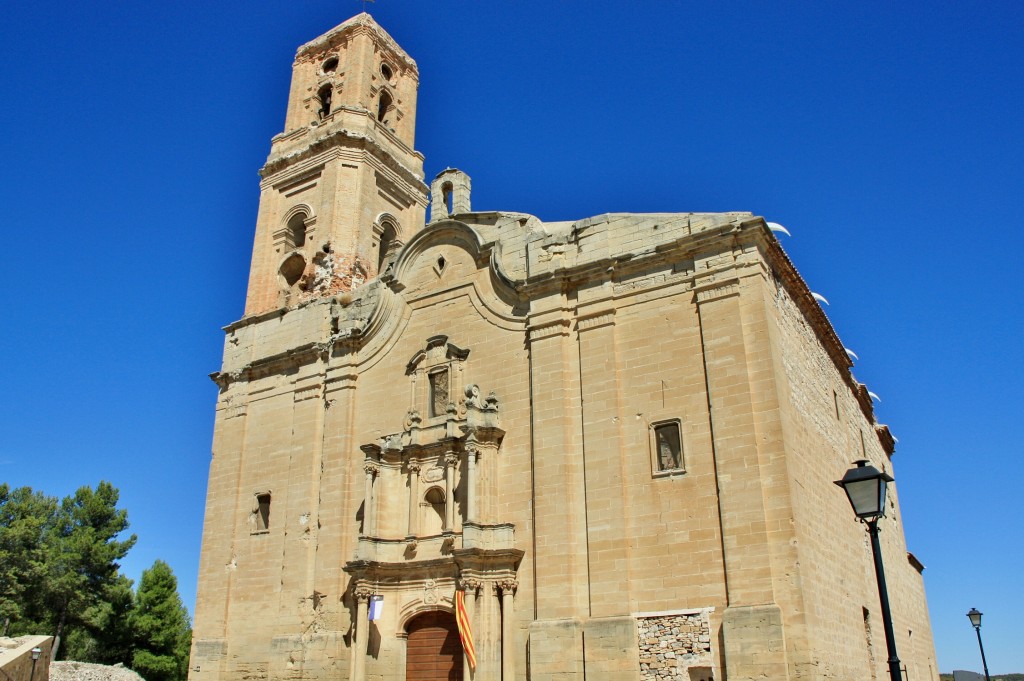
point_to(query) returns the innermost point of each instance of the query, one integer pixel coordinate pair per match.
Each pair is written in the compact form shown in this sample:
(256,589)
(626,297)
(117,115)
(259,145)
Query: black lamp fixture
(865,487)
(975,616)
(36,652)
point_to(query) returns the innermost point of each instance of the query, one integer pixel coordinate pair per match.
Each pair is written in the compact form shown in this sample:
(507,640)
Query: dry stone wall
(675,646)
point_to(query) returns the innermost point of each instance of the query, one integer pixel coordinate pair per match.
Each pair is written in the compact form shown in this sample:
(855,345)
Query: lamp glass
(867,497)
(865,486)
(975,617)
(36,652)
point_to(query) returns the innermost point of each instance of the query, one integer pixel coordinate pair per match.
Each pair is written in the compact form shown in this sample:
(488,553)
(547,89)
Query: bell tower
(342,186)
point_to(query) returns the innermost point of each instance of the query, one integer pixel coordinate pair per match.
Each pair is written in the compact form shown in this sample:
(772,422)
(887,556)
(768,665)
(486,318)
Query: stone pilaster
(752,626)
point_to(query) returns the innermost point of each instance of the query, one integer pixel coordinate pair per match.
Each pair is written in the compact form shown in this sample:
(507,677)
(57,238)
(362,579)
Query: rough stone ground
(86,671)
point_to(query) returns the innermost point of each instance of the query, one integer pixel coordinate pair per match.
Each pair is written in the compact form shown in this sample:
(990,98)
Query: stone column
(361,634)
(471,587)
(508,636)
(449,488)
(414,497)
(369,512)
(471,484)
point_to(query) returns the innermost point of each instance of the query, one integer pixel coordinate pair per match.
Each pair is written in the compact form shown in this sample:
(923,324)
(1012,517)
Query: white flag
(376,607)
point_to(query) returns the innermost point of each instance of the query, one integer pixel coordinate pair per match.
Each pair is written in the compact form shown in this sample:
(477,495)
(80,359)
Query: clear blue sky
(889,141)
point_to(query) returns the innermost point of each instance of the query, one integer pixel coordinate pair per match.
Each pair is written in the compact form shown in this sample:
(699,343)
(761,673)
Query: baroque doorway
(433,649)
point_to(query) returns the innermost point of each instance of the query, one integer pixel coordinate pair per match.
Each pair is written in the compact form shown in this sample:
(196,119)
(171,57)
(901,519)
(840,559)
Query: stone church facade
(617,435)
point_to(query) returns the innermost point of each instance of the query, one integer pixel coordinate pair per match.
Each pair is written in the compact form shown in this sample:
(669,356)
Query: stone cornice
(368,569)
(815,316)
(596,320)
(487,560)
(886,438)
(302,354)
(623,264)
(711,288)
(344,138)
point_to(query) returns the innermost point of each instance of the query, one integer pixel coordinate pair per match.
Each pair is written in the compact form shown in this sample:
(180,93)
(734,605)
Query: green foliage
(161,627)
(105,635)
(59,561)
(59,574)
(26,518)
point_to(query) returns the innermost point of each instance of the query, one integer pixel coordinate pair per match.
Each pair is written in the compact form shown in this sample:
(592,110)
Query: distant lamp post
(975,618)
(865,486)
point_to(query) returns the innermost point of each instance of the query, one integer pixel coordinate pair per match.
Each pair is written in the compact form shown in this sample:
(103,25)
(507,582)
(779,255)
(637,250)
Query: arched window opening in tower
(387,241)
(330,65)
(296,233)
(447,192)
(384,105)
(325,94)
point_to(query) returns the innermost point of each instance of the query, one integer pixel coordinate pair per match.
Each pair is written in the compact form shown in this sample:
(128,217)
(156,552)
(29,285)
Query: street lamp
(975,618)
(865,487)
(36,652)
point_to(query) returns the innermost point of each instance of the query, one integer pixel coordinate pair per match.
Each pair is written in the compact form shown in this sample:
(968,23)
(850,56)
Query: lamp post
(975,618)
(865,487)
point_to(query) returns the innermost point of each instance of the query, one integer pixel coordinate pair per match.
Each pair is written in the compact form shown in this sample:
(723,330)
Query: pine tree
(82,553)
(161,626)
(25,519)
(59,567)
(105,635)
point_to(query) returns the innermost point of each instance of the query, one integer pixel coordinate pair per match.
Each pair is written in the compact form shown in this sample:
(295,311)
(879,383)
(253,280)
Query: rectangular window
(262,512)
(667,444)
(438,392)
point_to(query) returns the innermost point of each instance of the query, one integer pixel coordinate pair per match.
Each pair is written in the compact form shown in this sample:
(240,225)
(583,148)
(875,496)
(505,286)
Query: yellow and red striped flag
(465,631)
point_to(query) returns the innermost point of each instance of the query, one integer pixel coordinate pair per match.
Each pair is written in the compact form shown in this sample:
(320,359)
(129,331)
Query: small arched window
(324,95)
(447,191)
(295,235)
(383,105)
(387,241)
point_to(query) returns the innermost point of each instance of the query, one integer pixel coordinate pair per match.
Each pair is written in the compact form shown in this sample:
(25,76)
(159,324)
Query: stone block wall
(675,646)
(16,663)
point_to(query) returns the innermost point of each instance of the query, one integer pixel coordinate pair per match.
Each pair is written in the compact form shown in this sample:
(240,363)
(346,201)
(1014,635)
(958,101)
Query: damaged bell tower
(342,186)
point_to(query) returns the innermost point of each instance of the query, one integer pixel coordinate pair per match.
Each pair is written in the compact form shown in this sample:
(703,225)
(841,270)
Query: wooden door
(433,652)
